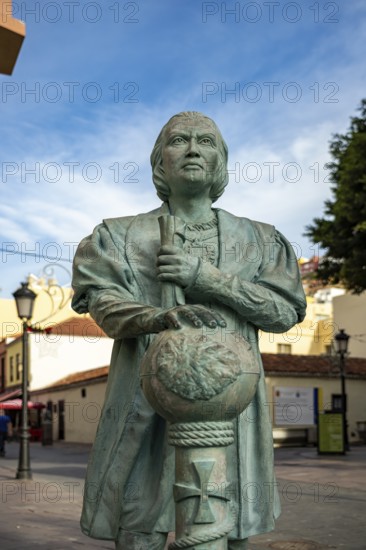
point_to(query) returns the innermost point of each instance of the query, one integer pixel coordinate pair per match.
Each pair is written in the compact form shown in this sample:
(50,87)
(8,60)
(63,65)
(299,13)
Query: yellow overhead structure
(12,33)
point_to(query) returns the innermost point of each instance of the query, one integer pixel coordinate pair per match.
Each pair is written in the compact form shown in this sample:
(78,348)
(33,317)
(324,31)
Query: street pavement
(323,500)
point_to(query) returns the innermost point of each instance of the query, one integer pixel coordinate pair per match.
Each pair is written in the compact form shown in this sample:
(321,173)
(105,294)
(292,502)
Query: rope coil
(201,434)
(209,536)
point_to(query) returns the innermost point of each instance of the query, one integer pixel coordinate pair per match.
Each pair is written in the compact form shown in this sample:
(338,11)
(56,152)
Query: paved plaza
(323,500)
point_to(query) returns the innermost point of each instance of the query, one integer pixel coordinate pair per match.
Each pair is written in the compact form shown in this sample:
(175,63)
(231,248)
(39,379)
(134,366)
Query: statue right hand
(194,315)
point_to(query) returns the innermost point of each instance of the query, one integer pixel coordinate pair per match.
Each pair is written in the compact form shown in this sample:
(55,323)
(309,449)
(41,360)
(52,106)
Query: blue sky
(107,75)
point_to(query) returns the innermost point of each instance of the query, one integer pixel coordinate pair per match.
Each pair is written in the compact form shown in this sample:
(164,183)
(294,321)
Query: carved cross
(12,33)
(203,469)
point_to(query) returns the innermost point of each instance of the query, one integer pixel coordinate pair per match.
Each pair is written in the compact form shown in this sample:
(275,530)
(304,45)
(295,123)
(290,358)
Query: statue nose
(193,150)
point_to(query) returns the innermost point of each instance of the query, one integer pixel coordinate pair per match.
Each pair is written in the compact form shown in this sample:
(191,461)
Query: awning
(16,405)
(10,395)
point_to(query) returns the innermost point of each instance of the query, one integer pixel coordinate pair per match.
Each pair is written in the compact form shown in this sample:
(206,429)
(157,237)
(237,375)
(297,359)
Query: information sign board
(330,433)
(295,406)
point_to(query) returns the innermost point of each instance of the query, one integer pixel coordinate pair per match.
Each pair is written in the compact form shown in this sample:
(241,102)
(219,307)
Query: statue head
(221,176)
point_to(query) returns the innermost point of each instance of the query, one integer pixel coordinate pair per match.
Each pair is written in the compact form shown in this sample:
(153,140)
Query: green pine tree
(342,230)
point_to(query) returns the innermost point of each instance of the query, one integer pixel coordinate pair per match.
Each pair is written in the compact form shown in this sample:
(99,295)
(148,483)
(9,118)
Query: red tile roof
(317,366)
(77,326)
(91,375)
(312,365)
(73,326)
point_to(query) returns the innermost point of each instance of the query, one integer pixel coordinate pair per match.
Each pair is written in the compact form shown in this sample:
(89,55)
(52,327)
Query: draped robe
(131,468)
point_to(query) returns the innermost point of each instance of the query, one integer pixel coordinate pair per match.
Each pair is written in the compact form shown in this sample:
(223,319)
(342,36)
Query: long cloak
(131,468)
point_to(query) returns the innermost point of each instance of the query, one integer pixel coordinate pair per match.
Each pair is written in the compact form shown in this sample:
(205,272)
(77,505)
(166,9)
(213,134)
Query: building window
(283,348)
(17,366)
(83,392)
(11,369)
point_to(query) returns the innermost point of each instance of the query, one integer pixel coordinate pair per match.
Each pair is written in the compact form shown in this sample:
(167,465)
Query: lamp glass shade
(341,339)
(24,299)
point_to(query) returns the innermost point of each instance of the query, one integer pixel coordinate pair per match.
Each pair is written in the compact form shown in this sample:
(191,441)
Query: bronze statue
(226,276)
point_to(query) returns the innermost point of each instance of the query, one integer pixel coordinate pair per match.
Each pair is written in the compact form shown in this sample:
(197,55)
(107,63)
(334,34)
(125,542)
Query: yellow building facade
(51,306)
(14,364)
(314,336)
(350,314)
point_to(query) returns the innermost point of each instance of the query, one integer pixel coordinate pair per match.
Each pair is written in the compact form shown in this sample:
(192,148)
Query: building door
(2,375)
(337,402)
(61,419)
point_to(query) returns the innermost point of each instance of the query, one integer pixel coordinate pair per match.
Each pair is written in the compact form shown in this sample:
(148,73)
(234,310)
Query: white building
(74,345)
(350,315)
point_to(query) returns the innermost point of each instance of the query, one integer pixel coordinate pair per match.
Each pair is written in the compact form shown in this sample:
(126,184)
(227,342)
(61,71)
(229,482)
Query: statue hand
(195,315)
(175,266)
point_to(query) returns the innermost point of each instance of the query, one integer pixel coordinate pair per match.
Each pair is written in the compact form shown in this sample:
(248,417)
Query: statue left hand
(175,266)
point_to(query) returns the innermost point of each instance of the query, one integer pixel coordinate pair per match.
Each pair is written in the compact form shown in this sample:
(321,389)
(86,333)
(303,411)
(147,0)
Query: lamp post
(341,339)
(24,299)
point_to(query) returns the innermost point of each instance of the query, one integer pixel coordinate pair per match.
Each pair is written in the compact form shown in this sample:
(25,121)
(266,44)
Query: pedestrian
(5,430)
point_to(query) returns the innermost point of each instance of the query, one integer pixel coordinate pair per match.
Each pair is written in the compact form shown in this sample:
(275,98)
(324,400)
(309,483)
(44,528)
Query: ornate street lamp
(341,339)
(24,299)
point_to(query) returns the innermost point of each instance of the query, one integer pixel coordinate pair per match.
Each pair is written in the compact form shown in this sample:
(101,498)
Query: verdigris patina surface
(177,368)
(229,276)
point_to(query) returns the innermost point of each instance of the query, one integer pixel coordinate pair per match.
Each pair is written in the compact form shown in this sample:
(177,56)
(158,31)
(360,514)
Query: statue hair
(156,159)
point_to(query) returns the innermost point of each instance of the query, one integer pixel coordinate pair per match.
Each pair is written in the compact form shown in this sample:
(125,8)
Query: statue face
(190,157)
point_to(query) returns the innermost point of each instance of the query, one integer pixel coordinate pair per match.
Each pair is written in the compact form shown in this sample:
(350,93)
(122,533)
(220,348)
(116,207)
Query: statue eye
(206,141)
(178,140)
